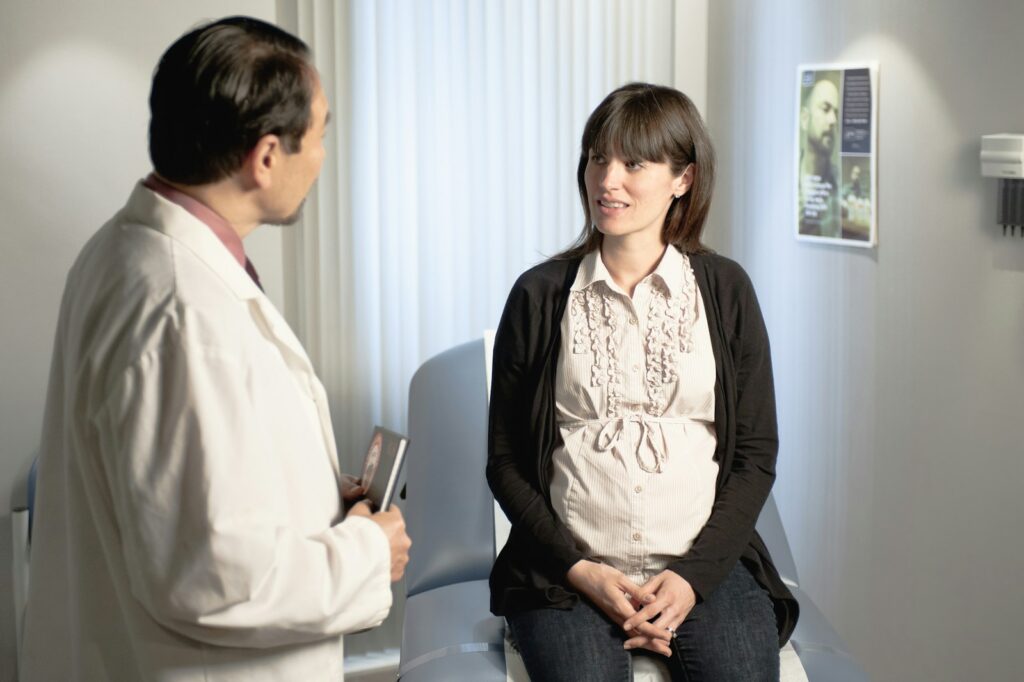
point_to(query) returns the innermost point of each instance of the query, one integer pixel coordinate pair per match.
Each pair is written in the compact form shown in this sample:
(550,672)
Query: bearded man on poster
(818,165)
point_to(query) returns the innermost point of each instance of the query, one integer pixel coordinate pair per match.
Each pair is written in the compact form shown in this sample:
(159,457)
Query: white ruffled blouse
(634,480)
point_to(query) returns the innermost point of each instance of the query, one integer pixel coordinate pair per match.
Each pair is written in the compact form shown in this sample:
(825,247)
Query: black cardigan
(530,572)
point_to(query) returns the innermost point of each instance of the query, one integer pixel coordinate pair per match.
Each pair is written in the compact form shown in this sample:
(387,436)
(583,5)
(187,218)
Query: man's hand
(606,587)
(668,599)
(352,489)
(393,525)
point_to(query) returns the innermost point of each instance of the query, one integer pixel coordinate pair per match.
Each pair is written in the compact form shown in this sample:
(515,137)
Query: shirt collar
(220,227)
(669,272)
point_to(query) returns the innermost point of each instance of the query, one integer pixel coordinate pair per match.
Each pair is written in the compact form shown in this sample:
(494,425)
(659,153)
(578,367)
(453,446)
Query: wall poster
(836,138)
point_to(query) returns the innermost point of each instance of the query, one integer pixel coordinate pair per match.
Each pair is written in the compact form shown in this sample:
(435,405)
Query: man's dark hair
(220,88)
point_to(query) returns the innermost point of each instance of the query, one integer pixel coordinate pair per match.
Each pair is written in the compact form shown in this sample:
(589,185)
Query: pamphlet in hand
(382,469)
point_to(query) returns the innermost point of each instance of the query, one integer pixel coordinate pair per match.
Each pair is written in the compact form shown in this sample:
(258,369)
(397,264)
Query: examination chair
(21,541)
(449,633)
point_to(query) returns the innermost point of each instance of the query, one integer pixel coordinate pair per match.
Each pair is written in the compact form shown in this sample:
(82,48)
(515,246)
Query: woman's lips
(610,207)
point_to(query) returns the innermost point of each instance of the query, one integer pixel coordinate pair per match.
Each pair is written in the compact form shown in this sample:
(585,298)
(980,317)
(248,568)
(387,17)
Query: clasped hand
(648,613)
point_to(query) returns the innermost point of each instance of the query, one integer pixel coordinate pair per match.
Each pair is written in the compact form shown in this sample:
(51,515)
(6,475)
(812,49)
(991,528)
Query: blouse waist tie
(650,448)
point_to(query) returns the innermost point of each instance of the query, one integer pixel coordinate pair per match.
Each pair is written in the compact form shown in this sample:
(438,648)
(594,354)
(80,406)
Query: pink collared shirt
(220,227)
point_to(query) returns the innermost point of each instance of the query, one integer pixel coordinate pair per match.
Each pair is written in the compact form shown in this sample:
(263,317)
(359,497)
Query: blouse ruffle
(670,322)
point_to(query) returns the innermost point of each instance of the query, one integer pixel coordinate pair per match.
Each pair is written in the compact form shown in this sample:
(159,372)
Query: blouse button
(638,489)
(632,320)
(636,536)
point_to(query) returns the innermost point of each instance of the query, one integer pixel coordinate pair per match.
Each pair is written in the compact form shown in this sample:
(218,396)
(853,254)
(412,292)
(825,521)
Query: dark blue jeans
(730,637)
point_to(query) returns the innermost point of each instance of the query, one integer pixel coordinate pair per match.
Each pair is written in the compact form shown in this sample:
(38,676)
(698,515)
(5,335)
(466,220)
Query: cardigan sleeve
(747,483)
(512,460)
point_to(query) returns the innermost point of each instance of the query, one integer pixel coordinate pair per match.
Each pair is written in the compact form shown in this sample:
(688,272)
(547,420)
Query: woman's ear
(684,181)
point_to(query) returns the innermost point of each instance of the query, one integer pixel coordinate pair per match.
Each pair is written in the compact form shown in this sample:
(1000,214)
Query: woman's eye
(597,158)
(634,165)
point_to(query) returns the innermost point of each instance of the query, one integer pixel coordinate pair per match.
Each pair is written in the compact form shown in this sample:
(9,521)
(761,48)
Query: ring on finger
(671,630)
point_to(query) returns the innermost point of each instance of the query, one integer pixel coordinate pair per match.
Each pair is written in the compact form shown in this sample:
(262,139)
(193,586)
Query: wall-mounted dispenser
(1002,156)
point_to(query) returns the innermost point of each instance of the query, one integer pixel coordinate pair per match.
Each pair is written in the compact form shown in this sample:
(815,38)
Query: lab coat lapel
(278,331)
(148,208)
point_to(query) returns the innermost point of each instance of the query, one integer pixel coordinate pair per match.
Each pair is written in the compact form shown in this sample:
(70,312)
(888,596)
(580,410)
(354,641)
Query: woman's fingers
(663,603)
(657,635)
(650,631)
(619,609)
(658,646)
(618,591)
(617,596)
(646,596)
(667,624)
(645,614)
(673,597)
(604,586)
(612,601)
(639,594)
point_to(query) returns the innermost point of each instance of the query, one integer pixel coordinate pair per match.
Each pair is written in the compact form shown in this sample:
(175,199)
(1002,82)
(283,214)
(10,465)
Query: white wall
(899,371)
(74,85)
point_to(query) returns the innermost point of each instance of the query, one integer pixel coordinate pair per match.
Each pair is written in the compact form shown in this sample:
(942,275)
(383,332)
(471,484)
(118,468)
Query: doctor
(191,522)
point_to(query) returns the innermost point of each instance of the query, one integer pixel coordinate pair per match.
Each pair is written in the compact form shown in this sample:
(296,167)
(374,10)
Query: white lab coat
(189,521)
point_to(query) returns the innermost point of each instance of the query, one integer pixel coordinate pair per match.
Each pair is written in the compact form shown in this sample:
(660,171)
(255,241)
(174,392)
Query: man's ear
(262,161)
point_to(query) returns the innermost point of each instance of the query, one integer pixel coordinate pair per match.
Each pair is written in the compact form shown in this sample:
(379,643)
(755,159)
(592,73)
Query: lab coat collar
(146,207)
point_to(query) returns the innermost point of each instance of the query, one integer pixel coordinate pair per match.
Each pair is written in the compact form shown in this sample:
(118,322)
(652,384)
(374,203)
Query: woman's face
(631,197)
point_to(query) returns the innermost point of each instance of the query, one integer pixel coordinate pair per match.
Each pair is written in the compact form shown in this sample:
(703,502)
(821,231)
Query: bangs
(638,130)
(645,122)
